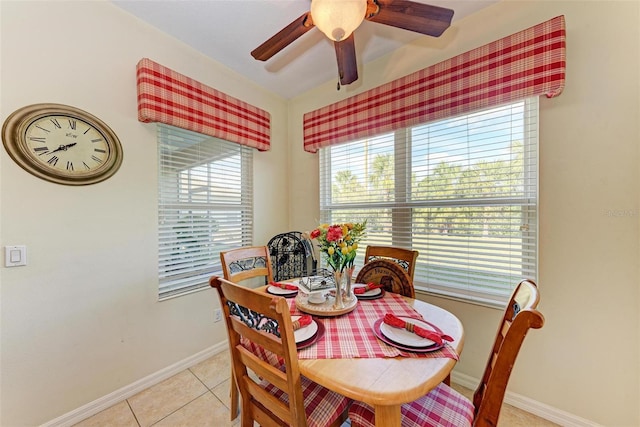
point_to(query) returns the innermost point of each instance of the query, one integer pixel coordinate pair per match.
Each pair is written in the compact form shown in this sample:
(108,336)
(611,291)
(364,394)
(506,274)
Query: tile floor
(199,396)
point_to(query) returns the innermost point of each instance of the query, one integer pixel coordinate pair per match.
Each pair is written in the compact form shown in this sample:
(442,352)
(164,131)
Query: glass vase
(338,303)
(348,295)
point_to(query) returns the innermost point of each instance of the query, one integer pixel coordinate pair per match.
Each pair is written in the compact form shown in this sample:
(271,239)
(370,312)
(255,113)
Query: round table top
(389,381)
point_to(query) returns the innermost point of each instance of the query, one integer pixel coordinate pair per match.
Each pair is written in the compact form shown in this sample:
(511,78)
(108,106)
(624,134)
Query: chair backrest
(389,274)
(246,263)
(291,256)
(519,316)
(406,258)
(263,320)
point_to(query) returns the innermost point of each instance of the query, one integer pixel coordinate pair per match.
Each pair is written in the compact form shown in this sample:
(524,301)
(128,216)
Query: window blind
(462,191)
(205,196)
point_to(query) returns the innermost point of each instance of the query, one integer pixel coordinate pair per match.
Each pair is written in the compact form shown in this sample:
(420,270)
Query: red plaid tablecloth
(351,335)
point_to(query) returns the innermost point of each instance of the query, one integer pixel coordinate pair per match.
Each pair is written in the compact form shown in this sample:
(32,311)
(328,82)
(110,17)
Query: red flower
(334,233)
(315,233)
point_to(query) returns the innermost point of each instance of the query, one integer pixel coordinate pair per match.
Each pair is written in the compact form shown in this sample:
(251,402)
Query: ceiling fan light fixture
(337,19)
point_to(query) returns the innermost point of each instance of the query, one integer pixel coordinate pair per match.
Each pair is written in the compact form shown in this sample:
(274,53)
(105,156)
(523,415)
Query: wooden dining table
(387,383)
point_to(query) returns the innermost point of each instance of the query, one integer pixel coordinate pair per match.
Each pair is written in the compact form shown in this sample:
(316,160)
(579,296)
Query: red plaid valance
(169,97)
(525,64)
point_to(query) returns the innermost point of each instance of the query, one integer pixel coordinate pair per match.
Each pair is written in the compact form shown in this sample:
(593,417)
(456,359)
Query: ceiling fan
(337,19)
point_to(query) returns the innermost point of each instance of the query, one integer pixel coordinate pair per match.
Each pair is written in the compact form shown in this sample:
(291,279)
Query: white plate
(305,333)
(404,337)
(275,290)
(371,293)
(317,298)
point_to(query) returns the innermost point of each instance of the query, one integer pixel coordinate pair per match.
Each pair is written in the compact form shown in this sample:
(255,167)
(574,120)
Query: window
(204,206)
(462,191)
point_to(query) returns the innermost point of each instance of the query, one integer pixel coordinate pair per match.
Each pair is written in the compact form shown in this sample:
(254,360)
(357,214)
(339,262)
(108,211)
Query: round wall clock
(388,274)
(62,144)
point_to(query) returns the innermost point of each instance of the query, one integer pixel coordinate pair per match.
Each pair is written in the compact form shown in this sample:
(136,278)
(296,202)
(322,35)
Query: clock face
(62,144)
(66,144)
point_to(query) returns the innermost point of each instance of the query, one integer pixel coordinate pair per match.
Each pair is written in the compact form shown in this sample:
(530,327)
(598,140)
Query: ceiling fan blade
(346,55)
(413,16)
(283,38)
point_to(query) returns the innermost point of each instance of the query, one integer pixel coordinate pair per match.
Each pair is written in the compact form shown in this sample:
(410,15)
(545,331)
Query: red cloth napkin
(369,287)
(396,322)
(284,286)
(303,321)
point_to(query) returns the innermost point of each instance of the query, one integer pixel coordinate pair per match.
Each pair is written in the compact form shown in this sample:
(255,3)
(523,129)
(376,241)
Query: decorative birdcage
(291,256)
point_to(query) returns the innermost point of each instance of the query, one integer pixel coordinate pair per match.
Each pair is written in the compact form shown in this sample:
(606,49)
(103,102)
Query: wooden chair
(390,275)
(283,396)
(239,265)
(444,406)
(406,258)
(246,263)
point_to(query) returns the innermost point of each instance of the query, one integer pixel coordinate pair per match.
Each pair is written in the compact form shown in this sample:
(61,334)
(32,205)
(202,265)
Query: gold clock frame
(13,138)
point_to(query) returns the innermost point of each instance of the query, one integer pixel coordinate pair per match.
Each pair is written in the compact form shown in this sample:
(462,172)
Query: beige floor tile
(118,415)
(183,400)
(510,416)
(155,403)
(214,370)
(221,391)
(205,411)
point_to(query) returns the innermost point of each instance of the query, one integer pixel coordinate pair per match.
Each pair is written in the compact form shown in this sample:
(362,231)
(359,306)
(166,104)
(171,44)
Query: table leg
(387,416)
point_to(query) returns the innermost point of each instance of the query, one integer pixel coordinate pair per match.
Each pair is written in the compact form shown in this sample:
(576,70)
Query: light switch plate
(15,256)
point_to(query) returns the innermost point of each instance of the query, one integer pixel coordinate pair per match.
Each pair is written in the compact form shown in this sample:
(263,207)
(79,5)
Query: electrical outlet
(217,315)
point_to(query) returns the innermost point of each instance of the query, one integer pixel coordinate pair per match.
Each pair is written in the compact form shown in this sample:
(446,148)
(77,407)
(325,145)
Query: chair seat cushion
(442,407)
(321,405)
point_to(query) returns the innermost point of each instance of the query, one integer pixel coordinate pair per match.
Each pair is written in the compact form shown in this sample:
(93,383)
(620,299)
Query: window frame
(183,269)
(403,208)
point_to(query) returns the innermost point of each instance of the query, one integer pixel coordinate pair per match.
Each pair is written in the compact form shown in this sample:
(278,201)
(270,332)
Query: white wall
(585,361)
(82,318)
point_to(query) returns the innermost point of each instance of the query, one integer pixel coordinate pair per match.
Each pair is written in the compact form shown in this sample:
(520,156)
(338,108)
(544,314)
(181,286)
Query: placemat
(351,335)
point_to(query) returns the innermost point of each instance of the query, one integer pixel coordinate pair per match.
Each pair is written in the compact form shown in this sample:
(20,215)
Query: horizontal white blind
(205,196)
(461,191)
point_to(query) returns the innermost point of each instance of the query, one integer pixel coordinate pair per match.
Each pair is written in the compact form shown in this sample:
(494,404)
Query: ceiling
(228,30)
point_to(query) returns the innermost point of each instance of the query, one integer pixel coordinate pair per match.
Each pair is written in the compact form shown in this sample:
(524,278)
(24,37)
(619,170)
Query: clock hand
(63,147)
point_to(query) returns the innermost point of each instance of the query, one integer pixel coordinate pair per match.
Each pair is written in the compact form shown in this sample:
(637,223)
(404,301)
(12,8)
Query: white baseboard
(521,402)
(98,405)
